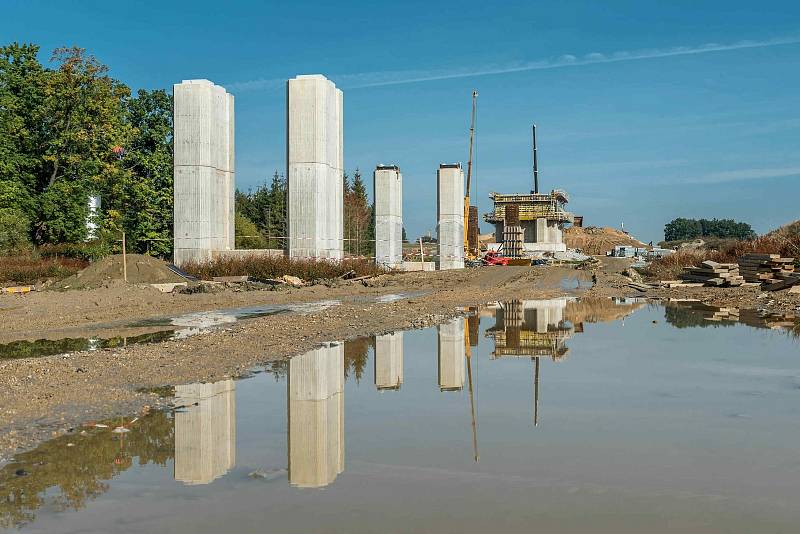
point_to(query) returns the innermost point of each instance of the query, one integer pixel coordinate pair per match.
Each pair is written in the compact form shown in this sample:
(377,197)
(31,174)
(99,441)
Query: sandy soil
(47,396)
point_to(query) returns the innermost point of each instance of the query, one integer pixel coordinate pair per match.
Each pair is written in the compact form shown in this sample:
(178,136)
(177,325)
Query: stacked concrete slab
(205,432)
(389,361)
(450,208)
(452,355)
(388,187)
(203,170)
(315,167)
(316,416)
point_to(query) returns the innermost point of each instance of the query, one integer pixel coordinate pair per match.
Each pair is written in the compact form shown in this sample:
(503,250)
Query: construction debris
(711,273)
(770,270)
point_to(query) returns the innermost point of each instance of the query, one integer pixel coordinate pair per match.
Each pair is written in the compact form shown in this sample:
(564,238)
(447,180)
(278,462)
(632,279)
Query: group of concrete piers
(205,180)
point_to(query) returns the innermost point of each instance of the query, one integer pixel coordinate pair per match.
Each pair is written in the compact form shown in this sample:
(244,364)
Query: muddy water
(558,416)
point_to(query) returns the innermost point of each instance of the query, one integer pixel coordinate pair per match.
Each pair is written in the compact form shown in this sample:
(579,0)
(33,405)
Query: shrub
(266,267)
(247,234)
(14,230)
(89,251)
(29,269)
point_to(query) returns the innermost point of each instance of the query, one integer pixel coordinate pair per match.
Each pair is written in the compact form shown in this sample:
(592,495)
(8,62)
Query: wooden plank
(782,284)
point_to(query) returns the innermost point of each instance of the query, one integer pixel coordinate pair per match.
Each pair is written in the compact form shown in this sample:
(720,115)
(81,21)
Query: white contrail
(380,79)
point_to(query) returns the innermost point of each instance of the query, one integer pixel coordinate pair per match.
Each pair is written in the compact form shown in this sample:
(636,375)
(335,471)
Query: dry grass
(265,267)
(784,241)
(30,269)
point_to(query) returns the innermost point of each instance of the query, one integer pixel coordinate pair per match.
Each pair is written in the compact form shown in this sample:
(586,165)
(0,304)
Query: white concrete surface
(418,266)
(315,167)
(205,434)
(450,209)
(452,354)
(204,171)
(389,361)
(316,416)
(388,188)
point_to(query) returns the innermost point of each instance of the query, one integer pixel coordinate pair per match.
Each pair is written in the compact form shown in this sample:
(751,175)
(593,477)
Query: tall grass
(784,241)
(266,267)
(32,269)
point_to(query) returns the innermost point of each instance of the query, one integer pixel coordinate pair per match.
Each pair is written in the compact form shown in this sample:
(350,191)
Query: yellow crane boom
(469,253)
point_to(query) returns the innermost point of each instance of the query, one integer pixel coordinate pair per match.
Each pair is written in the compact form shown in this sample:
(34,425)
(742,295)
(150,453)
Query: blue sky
(646,111)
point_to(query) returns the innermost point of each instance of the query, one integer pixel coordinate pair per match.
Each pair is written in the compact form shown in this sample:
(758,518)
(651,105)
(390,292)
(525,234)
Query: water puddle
(174,327)
(572,415)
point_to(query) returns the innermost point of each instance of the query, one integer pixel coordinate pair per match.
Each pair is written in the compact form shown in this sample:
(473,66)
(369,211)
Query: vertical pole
(536,394)
(421,255)
(124,260)
(535,163)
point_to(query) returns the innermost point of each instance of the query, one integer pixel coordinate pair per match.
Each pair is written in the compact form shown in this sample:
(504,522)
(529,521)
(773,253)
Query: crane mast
(469,253)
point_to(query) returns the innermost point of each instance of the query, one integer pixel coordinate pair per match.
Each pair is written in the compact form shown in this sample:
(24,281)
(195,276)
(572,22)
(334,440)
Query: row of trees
(261,217)
(681,229)
(72,131)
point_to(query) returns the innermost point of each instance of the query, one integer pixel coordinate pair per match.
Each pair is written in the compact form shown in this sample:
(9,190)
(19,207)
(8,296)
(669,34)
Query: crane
(469,253)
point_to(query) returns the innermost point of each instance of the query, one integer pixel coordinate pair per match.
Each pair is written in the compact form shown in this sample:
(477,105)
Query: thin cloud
(743,175)
(386,78)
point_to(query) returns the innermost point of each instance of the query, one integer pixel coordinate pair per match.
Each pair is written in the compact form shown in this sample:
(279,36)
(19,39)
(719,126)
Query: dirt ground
(47,396)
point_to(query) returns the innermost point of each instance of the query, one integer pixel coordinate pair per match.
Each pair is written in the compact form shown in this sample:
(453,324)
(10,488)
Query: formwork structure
(204,175)
(315,167)
(531,328)
(512,233)
(316,416)
(450,209)
(388,188)
(205,431)
(452,354)
(541,216)
(389,361)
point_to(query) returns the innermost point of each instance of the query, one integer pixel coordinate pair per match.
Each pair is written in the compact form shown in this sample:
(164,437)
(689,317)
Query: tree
(247,234)
(357,217)
(277,227)
(681,229)
(14,228)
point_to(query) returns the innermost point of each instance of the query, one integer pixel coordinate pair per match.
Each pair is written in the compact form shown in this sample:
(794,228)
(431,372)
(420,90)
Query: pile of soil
(141,270)
(598,241)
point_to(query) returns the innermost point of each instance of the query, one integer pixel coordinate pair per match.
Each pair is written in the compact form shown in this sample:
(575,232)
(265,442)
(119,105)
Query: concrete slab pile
(389,361)
(204,171)
(315,167)
(388,188)
(316,416)
(452,354)
(205,432)
(450,208)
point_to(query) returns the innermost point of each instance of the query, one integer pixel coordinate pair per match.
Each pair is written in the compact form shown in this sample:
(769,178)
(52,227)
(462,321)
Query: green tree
(357,217)
(14,228)
(681,229)
(247,233)
(277,226)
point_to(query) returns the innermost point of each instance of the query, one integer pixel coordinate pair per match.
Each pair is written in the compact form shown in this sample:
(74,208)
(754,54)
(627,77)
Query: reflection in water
(49,347)
(205,431)
(68,472)
(451,355)
(389,361)
(692,313)
(316,416)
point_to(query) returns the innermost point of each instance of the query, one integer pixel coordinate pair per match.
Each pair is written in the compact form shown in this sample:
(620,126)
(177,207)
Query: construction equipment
(471,213)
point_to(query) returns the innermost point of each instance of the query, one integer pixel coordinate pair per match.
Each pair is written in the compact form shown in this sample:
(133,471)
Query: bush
(266,267)
(247,234)
(89,251)
(14,230)
(29,269)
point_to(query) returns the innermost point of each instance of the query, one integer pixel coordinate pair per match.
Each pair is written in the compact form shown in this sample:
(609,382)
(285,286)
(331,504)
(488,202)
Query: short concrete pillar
(389,361)
(316,416)
(388,188)
(315,167)
(204,174)
(452,355)
(205,432)
(450,208)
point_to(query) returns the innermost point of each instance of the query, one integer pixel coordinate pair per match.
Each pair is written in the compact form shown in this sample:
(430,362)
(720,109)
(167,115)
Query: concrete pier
(452,355)
(315,167)
(316,416)
(450,208)
(204,171)
(205,434)
(389,361)
(388,188)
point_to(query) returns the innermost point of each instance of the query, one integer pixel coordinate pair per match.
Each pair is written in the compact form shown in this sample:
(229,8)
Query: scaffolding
(532,206)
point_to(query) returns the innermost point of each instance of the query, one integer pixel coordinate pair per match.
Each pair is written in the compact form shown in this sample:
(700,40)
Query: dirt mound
(141,270)
(598,241)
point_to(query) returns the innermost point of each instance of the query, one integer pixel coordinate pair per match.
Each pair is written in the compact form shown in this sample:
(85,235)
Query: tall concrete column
(315,167)
(450,208)
(205,431)
(452,354)
(316,416)
(388,188)
(204,174)
(389,361)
